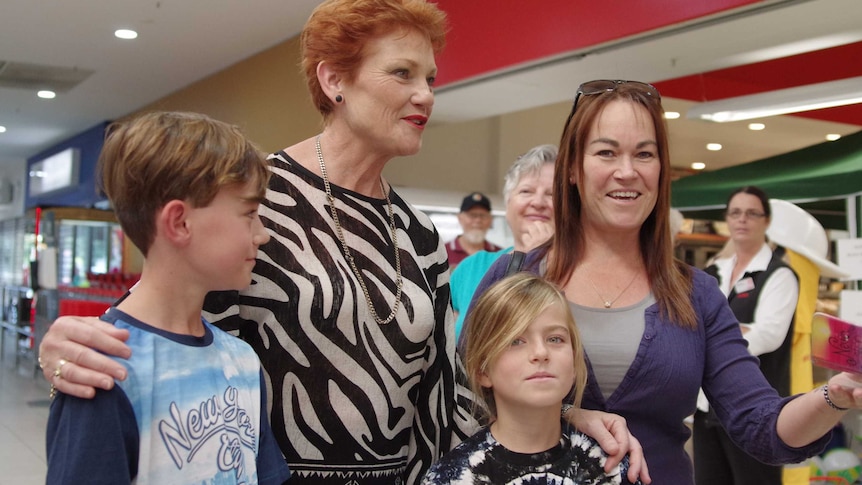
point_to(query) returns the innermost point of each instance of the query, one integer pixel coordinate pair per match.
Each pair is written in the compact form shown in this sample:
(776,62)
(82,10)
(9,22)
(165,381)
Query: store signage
(59,171)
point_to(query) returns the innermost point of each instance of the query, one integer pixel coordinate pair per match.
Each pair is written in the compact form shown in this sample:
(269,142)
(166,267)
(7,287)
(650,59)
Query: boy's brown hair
(154,158)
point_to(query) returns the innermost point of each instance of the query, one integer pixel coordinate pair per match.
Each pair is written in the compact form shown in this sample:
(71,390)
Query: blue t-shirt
(192,410)
(465,279)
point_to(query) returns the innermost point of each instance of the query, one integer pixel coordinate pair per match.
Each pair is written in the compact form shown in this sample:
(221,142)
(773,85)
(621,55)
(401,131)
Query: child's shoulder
(591,458)
(481,441)
(578,439)
(226,338)
(456,465)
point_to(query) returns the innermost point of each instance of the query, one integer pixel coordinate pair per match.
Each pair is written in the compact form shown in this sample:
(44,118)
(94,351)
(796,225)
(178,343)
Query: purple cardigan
(671,364)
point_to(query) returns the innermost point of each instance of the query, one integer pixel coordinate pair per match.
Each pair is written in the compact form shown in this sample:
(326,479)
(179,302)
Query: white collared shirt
(775,305)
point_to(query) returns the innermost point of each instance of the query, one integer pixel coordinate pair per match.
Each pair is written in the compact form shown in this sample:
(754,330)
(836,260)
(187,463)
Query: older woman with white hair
(529,213)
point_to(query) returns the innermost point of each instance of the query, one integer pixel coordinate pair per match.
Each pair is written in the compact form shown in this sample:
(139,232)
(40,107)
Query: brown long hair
(669,279)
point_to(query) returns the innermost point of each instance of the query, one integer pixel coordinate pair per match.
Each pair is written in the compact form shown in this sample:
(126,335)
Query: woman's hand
(808,417)
(845,390)
(612,434)
(537,234)
(77,342)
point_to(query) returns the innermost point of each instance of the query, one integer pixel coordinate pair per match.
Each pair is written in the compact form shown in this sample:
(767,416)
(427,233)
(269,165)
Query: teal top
(465,279)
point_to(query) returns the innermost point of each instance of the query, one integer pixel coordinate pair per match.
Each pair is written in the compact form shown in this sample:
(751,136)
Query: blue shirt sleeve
(496,272)
(271,466)
(92,441)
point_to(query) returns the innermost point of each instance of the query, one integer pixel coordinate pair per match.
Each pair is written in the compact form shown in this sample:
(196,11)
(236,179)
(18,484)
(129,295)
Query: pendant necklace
(605,301)
(347,254)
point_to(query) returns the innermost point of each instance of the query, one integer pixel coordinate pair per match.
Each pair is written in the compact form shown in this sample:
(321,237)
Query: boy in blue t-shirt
(186,190)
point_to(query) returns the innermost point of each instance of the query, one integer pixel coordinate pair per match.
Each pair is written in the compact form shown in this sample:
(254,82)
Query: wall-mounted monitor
(59,171)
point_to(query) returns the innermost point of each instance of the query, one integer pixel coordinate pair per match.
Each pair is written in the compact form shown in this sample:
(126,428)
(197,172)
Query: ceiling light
(126,34)
(45,94)
(2,129)
(772,103)
(671,115)
(713,147)
(698,166)
(756,126)
(830,137)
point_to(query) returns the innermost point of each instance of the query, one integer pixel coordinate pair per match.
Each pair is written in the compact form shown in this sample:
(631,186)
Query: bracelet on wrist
(829,401)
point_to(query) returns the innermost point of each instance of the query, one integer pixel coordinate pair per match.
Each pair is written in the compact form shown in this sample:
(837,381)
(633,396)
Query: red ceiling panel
(813,67)
(493,35)
(490,35)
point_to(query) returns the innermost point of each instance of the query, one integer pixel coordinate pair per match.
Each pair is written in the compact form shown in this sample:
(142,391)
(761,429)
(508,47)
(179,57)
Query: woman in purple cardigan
(654,329)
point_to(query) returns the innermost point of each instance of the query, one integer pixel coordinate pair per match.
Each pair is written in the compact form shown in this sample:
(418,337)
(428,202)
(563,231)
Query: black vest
(775,365)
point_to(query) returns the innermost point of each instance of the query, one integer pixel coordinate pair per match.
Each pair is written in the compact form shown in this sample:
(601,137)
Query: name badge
(743,285)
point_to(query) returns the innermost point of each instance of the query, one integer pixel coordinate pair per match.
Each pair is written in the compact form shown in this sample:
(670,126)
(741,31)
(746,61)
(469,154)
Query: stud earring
(339,98)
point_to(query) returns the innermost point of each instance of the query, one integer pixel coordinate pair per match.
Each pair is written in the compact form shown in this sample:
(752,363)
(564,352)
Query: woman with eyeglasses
(762,291)
(654,329)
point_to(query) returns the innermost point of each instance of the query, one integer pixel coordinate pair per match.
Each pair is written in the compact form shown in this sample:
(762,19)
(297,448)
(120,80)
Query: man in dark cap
(475,220)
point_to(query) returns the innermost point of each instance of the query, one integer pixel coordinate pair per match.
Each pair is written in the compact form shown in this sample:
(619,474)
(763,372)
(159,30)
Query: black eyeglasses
(600,86)
(749,214)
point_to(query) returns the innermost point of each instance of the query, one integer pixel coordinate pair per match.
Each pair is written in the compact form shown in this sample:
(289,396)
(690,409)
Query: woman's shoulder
(408,207)
(290,175)
(531,262)
(478,262)
(701,280)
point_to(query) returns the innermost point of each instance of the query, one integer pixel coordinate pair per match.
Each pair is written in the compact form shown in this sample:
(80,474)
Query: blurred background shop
(506,82)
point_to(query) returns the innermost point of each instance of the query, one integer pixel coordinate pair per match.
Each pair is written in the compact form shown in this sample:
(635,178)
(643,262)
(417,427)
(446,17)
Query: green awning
(818,178)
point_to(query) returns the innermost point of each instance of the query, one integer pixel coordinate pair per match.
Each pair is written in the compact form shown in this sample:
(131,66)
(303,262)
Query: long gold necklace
(349,257)
(607,302)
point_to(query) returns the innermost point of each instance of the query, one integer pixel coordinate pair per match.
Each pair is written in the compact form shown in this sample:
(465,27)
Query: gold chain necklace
(349,257)
(607,302)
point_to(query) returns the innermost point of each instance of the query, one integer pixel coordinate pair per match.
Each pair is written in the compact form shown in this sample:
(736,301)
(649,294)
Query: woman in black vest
(762,292)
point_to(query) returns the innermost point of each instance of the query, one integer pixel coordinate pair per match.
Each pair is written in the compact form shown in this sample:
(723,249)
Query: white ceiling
(182,41)
(771,30)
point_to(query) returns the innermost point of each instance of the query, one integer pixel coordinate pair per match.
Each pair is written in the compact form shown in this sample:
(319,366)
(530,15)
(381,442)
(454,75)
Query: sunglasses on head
(600,86)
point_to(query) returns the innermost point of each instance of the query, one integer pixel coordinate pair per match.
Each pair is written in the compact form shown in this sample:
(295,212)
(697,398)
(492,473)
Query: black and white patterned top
(353,402)
(480,459)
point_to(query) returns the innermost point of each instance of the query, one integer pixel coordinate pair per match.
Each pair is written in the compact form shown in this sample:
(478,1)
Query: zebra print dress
(353,402)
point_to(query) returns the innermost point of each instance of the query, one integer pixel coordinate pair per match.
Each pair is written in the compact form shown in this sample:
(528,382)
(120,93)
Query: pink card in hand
(836,344)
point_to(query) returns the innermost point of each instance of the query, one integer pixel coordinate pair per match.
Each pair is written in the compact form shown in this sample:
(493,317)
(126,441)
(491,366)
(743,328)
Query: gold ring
(58,371)
(53,392)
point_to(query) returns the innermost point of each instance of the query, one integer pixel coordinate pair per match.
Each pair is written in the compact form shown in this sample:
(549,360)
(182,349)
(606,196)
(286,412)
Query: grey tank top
(611,337)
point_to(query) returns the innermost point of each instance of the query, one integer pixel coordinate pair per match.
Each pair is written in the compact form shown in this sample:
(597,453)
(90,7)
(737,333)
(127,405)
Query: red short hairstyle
(338,31)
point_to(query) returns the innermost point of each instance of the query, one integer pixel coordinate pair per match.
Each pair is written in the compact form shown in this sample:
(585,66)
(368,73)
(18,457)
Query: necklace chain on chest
(607,303)
(349,256)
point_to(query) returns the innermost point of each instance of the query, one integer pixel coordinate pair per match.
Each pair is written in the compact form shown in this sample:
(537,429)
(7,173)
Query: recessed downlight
(833,136)
(671,115)
(713,147)
(2,129)
(126,34)
(756,126)
(698,166)
(46,94)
